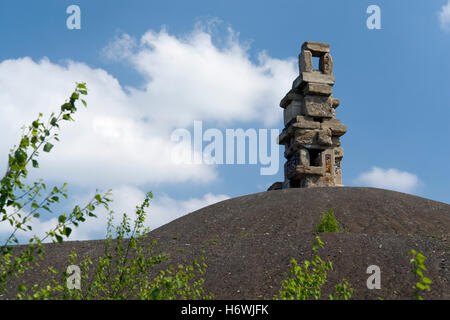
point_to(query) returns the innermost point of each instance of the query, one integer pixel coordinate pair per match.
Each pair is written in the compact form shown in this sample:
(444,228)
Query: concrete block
(326,64)
(294,109)
(324,137)
(305,61)
(318,106)
(315,77)
(289,97)
(317,89)
(336,141)
(336,102)
(337,129)
(303,123)
(316,48)
(307,137)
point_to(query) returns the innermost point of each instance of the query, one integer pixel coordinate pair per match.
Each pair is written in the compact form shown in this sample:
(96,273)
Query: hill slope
(250,240)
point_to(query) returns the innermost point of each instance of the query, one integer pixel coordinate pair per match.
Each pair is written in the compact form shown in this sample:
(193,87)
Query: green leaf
(426,280)
(67,231)
(62,218)
(155,293)
(35,163)
(420,286)
(48,147)
(67,117)
(24,142)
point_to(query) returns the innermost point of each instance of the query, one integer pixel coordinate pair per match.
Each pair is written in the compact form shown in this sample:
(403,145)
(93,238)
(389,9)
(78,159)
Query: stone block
(317,89)
(316,77)
(337,129)
(288,98)
(303,170)
(316,48)
(318,106)
(305,61)
(294,109)
(326,64)
(336,141)
(336,102)
(307,137)
(303,123)
(324,137)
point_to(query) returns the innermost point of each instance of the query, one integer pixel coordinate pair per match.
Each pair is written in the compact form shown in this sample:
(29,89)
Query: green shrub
(418,267)
(328,222)
(306,280)
(123,271)
(20,203)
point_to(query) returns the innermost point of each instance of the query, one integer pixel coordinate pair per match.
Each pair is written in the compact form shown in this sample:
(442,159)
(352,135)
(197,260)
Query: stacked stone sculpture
(312,133)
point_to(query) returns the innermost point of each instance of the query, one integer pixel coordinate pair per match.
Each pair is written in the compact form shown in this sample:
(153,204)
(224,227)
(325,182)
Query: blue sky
(155,66)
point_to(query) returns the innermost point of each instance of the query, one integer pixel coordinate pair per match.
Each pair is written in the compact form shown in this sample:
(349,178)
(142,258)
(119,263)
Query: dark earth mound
(250,240)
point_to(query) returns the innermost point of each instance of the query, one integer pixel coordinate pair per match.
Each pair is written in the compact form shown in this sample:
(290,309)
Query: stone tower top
(312,133)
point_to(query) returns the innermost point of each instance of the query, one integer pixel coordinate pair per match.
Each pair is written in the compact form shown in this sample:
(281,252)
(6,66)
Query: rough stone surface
(293,110)
(317,89)
(318,106)
(305,137)
(303,123)
(324,138)
(337,129)
(316,48)
(305,61)
(291,95)
(326,64)
(306,77)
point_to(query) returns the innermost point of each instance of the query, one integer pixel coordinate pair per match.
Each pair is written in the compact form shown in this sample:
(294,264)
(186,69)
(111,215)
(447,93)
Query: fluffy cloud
(444,17)
(124,135)
(162,210)
(392,179)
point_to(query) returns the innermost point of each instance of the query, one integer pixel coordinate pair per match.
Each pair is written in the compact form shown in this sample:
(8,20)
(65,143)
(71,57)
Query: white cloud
(444,17)
(124,136)
(121,48)
(392,179)
(162,210)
